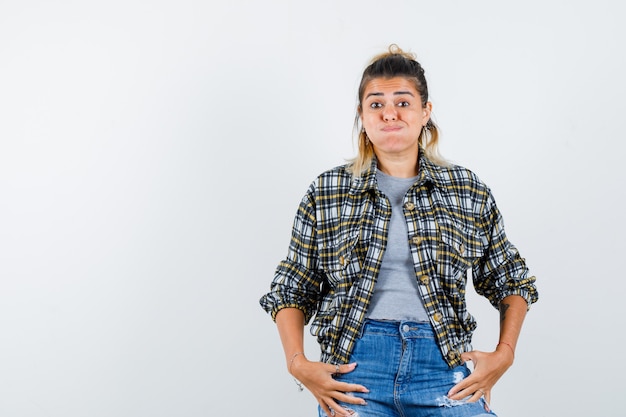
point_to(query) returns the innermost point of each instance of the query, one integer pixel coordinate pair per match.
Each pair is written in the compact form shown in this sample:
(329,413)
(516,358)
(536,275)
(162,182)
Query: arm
(502,277)
(316,376)
(512,313)
(294,299)
(290,323)
(490,366)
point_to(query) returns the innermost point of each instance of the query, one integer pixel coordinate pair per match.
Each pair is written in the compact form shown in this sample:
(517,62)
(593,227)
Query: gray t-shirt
(396,295)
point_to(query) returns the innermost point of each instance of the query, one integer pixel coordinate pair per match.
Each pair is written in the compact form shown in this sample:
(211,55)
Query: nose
(389,114)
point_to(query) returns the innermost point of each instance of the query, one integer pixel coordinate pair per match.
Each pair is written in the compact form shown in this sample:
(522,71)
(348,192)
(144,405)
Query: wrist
(509,346)
(508,349)
(293,358)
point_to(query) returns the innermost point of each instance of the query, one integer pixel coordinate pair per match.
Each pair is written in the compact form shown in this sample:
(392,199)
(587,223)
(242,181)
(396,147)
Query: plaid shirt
(339,237)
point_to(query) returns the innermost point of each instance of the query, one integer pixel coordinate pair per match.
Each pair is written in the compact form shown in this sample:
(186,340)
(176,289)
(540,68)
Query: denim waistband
(404,329)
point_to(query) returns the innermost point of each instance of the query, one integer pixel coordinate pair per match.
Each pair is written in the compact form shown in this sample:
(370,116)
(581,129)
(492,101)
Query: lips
(391,128)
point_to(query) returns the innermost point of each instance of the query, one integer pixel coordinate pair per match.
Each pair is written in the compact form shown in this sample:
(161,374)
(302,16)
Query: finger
(330,407)
(468,357)
(471,394)
(326,409)
(467,387)
(349,398)
(487,397)
(459,393)
(335,409)
(455,390)
(473,397)
(343,369)
(347,387)
(461,386)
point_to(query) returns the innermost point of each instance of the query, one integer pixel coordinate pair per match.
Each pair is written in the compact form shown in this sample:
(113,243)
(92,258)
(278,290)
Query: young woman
(379,258)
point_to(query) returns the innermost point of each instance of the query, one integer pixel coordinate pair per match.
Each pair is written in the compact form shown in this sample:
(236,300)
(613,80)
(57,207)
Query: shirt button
(424,279)
(437,317)
(409,206)
(453,354)
(416,240)
(461,249)
(342,261)
(405,328)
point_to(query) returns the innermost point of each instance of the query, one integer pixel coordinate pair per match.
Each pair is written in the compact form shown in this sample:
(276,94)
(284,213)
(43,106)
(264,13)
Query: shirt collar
(428,173)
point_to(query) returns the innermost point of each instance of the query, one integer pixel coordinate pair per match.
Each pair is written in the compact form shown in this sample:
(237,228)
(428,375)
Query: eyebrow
(396,93)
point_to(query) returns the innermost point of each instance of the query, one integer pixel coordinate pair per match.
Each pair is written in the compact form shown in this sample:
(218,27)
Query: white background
(152,155)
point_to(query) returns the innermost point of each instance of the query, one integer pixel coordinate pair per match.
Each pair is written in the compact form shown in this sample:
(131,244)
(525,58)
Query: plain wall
(152,156)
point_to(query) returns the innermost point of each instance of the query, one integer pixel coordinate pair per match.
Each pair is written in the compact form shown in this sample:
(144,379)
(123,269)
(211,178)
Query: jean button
(405,328)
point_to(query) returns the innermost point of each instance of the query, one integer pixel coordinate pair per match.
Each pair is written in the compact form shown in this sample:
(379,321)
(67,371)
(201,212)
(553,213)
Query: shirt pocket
(460,247)
(339,262)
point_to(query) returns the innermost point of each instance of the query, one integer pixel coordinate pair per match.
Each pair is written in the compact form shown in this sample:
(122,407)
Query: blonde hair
(394,63)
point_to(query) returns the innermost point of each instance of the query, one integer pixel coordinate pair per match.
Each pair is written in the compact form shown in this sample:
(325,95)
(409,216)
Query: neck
(398,167)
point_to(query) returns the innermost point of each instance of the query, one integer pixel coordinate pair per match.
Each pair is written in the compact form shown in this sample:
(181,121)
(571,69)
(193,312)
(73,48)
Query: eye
(404,104)
(375,105)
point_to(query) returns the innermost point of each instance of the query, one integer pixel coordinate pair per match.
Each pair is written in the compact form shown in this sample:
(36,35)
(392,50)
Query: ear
(427,109)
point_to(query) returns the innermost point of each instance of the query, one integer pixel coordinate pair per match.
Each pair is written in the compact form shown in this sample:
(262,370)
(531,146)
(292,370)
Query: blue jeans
(404,370)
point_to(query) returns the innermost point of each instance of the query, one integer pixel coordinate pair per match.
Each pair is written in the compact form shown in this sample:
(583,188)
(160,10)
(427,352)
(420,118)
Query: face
(393,116)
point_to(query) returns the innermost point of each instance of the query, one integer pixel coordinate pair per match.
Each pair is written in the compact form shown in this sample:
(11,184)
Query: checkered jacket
(339,237)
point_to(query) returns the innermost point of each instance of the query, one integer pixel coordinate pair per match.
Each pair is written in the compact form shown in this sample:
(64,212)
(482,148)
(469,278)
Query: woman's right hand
(318,378)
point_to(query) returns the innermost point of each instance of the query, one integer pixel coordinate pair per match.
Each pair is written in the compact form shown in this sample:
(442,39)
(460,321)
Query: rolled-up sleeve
(501,272)
(297,282)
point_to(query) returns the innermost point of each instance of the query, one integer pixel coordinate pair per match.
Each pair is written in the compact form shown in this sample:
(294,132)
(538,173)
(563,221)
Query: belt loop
(362,329)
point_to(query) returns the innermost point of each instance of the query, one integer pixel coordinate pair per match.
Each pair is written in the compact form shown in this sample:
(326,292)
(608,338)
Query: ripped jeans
(402,366)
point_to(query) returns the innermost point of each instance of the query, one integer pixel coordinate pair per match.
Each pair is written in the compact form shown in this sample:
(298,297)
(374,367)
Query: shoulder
(454,176)
(340,171)
(327,191)
(332,180)
(460,186)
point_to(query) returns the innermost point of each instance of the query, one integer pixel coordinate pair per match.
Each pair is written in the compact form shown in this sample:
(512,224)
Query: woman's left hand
(488,368)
